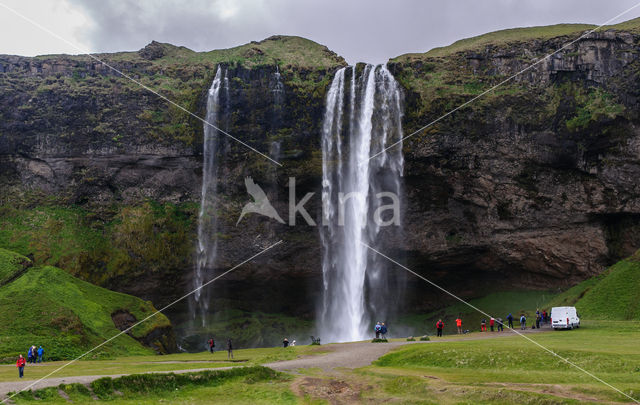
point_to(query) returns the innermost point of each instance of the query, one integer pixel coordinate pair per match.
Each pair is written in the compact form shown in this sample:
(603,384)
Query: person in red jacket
(439,326)
(492,323)
(20,364)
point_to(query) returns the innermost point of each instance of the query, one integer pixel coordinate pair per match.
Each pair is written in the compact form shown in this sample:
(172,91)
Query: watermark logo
(260,204)
(352,203)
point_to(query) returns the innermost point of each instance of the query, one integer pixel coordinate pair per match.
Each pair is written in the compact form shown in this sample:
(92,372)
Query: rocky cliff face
(531,186)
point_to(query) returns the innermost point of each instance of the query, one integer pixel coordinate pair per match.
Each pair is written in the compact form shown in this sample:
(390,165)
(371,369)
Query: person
(492,323)
(378,329)
(383,330)
(285,342)
(229,349)
(40,353)
(500,325)
(293,343)
(483,325)
(538,319)
(439,327)
(510,320)
(20,364)
(31,355)
(544,316)
(212,344)
(523,322)
(459,325)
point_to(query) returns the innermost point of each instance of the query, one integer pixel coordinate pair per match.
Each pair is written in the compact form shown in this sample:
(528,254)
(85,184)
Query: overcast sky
(367,30)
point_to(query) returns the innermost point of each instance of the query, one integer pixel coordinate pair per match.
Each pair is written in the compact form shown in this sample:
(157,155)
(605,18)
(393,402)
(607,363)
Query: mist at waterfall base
(362,118)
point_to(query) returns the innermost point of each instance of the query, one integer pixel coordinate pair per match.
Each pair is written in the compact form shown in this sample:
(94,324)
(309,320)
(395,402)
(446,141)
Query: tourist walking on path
(483,325)
(40,353)
(510,320)
(492,323)
(500,325)
(459,325)
(20,364)
(439,327)
(523,322)
(212,344)
(378,329)
(383,330)
(538,320)
(229,349)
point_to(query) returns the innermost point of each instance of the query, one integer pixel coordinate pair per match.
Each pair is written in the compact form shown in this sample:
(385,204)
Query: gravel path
(339,355)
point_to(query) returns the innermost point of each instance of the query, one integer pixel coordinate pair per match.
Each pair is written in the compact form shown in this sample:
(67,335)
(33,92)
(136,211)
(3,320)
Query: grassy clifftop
(67,316)
(514,35)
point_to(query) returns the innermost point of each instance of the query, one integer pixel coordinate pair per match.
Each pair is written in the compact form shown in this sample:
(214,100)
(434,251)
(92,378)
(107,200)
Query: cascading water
(207,225)
(356,189)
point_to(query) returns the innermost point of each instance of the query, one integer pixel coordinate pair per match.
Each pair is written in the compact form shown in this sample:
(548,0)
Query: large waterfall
(207,224)
(362,117)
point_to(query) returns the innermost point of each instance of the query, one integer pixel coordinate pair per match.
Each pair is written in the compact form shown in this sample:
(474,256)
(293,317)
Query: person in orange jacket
(20,364)
(459,325)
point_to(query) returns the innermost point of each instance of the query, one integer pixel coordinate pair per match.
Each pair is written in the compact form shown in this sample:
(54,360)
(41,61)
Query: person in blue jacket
(383,330)
(40,353)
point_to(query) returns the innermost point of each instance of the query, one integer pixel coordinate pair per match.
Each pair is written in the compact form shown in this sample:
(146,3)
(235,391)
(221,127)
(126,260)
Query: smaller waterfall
(206,248)
(277,88)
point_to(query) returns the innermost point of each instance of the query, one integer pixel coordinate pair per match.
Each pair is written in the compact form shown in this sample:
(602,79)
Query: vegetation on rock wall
(97,246)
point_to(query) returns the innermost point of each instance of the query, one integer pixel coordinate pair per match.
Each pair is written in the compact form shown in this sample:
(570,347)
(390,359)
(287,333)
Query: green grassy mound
(613,295)
(239,385)
(67,316)
(11,264)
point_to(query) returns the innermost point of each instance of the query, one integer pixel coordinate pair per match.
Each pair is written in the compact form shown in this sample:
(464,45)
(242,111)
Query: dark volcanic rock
(533,186)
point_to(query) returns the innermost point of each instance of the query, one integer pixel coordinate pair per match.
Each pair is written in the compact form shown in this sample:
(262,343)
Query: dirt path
(339,355)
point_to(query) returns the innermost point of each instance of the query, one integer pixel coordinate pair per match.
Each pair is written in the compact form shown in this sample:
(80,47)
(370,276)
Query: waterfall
(207,217)
(357,286)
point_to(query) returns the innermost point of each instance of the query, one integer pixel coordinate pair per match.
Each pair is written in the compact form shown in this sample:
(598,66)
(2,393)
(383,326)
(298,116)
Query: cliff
(532,185)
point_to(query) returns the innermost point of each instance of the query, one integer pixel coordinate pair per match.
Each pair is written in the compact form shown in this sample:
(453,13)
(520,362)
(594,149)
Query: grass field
(169,362)
(512,369)
(502,370)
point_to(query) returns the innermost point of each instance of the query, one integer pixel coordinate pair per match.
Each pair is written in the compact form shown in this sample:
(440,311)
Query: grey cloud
(371,31)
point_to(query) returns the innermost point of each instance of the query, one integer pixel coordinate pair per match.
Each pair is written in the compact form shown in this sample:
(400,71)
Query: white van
(564,318)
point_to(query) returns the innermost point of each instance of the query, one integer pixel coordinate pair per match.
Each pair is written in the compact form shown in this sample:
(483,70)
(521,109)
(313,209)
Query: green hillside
(11,264)
(613,295)
(67,316)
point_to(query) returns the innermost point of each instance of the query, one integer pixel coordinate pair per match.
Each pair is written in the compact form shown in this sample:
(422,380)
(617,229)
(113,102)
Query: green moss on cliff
(99,246)
(67,316)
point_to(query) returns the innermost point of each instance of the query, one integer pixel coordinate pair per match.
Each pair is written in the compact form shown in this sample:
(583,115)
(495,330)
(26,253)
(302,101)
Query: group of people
(497,324)
(381,330)
(285,342)
(34,355)
(212,345)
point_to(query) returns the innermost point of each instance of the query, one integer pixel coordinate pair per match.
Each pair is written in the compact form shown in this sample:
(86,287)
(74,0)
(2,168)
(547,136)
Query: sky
(361,31)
